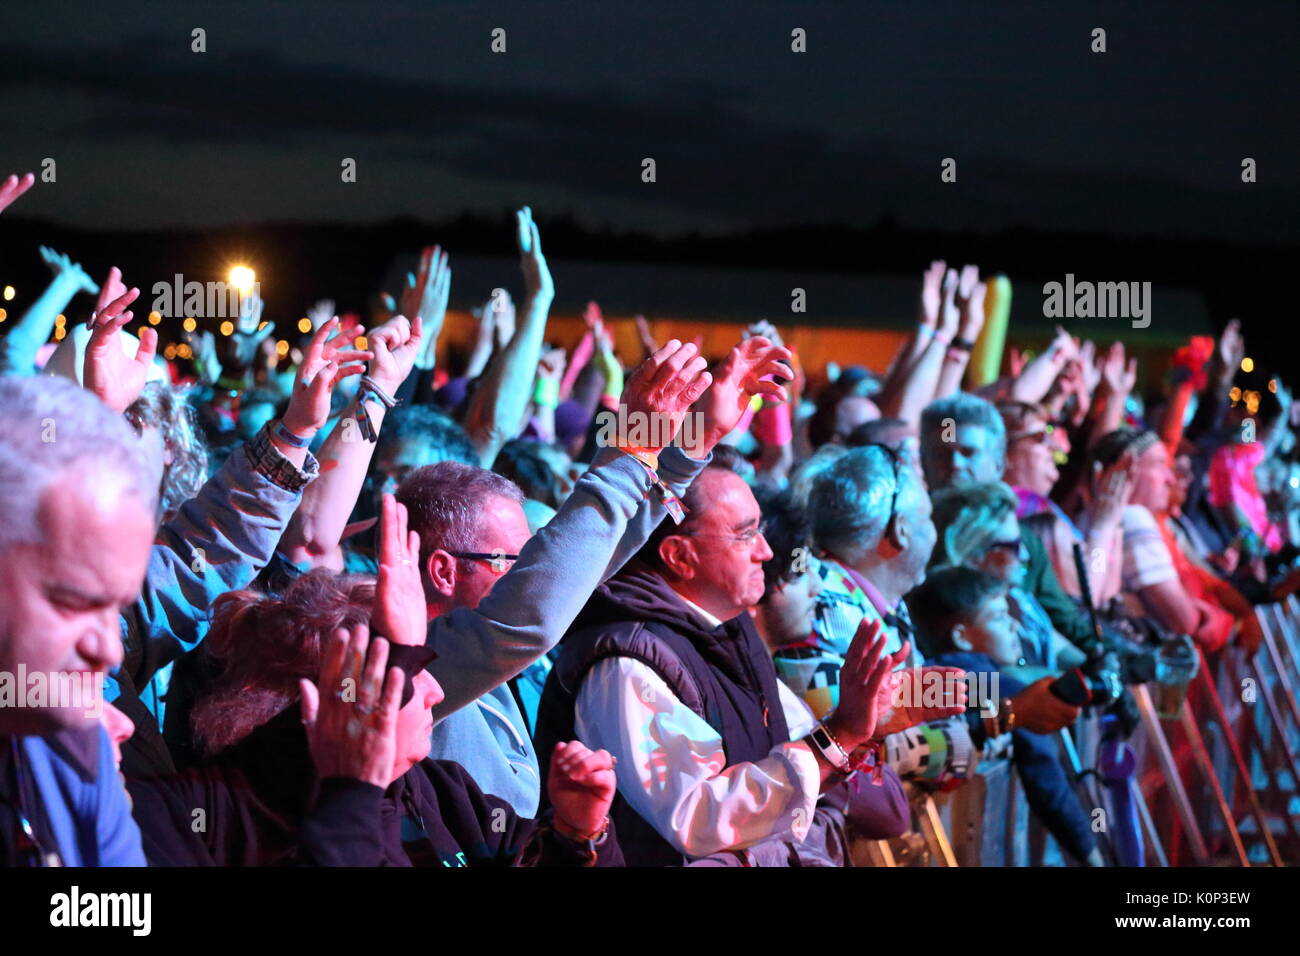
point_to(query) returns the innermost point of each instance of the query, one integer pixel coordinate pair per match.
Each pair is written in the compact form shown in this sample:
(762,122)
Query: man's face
(994,632)
(503,529)
(725,559)
(1030,457)
(60,599)
(922,534)
(1153,479)
(415,723)
(788,608)
(970,456)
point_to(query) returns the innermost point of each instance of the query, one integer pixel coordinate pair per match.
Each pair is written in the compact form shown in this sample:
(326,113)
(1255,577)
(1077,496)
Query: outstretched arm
(498,406)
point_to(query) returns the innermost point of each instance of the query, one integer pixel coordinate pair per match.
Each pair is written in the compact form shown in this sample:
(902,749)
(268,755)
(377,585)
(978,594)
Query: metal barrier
(1227,768)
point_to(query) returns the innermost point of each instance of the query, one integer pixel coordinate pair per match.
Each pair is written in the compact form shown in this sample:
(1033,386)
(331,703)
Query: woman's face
(415,722)
(1003,556)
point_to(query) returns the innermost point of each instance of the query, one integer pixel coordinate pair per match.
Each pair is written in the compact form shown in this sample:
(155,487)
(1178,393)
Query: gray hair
(850,499)
(967,518)
(962,408)
(55,431)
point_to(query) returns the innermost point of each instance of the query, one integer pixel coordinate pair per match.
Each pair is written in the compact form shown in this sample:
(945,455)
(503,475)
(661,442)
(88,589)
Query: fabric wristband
(546,392)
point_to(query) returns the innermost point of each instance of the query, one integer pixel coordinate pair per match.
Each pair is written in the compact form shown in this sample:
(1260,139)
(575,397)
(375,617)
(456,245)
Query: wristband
(280,432)
(941,337)
(963,344)
(924,331)
(823,742)
(546,393)
(650,462)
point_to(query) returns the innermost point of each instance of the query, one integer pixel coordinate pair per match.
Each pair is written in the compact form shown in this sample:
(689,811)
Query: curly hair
(167,409)
(260,645)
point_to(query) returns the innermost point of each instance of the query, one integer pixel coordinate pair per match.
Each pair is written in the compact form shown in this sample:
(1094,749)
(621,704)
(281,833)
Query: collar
(713,622)
(870,590)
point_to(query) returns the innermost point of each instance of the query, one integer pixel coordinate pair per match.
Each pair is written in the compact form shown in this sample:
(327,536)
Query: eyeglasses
(1011,545)
(747,538)
(1042,436)
(496,559)
(897,461)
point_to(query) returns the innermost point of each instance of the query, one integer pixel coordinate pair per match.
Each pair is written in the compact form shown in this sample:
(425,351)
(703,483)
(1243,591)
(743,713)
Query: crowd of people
(363,601)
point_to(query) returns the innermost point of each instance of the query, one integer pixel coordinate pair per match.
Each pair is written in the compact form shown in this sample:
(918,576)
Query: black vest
(725,675)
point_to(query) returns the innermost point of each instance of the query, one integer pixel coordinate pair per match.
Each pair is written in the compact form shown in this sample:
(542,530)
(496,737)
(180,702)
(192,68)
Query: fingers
(390,702)
(523,219)
(370,686)
(333,660)
(310,701)
(148,348)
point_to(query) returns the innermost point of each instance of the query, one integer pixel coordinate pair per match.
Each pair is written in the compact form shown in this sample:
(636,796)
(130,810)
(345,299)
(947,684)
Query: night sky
(1145,139)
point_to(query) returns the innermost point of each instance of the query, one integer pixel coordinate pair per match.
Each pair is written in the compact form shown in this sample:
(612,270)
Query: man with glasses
(478,553)
(665,669)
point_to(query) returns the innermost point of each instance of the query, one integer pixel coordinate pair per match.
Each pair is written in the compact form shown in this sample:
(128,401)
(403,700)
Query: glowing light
(60,319)
(9,293)
(59,334)
(184,351)
(189,325)
(154,318)
(261,326)
(169,352)
(282,347)
(242,278)
(360,342)
(1248,364)
(227,327)
(304,325)
(4,314)
(1272,385)
(1235,394)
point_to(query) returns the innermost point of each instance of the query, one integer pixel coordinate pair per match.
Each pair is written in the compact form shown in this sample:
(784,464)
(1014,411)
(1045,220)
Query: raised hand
(744,373)
(425,297)
(932,294)
(400,612)
(902,694)
(62,266)
(663,388)
(326,362)
(1118,377)
(13,187)
(1111,491)
(537,277)
(552,364)
(970,301)
(396,345)
(109,372)
(1231,347)
(503,317)
(350,714)
(863,676)
(203,349)
(580,784)
(646,337)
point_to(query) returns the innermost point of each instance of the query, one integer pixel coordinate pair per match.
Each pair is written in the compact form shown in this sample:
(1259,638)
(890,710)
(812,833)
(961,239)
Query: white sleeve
(798,715)
(672,769)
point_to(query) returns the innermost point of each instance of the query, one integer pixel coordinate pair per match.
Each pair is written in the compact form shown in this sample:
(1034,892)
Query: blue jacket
(604,521)
(85,806)
(217,542)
